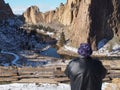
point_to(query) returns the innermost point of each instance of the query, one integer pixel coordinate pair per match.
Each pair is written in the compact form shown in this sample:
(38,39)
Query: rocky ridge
(5,10)
(33,15)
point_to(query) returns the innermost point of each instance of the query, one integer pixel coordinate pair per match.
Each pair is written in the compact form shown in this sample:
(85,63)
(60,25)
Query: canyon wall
(96,20)
(88,20)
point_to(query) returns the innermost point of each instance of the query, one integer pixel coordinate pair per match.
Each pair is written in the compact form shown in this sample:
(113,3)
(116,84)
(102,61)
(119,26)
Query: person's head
(85,49)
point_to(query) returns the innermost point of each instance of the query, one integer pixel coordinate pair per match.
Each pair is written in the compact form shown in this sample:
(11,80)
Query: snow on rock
(50,33)
(12,37)
(42,30)
(70,48)
(116,47)
(115,50)
(108,49)
(103,49)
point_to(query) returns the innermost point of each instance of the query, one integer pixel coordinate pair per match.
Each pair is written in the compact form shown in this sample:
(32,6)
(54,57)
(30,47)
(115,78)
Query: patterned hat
(85,49)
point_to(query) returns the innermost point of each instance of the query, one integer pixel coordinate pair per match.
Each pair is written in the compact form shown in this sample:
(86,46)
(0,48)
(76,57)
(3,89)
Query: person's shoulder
(74,60)
(97,60)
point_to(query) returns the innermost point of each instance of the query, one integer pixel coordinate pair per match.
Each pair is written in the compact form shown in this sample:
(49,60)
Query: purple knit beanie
(85,49)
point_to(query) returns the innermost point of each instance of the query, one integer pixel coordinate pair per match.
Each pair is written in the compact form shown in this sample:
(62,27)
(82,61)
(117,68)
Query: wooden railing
(44,74)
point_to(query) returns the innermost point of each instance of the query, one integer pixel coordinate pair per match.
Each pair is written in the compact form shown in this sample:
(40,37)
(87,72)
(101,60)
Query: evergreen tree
(62,39)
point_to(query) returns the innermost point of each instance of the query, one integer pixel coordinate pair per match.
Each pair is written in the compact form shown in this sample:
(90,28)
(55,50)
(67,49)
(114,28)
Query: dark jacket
(85,74)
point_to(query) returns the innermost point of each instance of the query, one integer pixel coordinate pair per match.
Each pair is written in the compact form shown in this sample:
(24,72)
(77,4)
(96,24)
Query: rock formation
(59,14)
(32,15)
(5,10)
(88,20)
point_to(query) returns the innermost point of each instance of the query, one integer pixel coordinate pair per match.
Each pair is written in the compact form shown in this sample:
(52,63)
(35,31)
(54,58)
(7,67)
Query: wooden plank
(45,74)
(107,67)
(8,79)
(8,73)
(62,79)
(114,71)
(34,70)
(38,80)
(115,68)
(113,75)
(36,76)
(59,73)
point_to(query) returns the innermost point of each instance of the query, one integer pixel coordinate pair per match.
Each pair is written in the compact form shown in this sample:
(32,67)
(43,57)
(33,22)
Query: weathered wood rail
(47,74)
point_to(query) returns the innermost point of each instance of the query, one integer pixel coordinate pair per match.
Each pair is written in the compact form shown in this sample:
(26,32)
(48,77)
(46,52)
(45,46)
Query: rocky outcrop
(5,10)
(88,20)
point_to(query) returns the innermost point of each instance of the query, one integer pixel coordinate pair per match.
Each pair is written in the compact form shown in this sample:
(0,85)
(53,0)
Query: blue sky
(19,6)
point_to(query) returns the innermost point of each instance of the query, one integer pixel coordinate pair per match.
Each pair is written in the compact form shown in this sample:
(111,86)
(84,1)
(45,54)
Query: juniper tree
(62,39)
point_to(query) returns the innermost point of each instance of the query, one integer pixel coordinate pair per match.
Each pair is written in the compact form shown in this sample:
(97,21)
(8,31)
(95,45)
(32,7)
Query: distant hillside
(5,10)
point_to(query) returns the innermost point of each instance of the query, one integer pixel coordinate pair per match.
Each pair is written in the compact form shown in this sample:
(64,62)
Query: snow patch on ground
(33,86)
(110,86)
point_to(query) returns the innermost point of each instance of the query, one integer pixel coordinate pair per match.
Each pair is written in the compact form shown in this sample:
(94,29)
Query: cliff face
(5,10)
(88,20)
(96,20)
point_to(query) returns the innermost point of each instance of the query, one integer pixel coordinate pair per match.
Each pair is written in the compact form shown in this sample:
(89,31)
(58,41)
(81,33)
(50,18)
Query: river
(51,52)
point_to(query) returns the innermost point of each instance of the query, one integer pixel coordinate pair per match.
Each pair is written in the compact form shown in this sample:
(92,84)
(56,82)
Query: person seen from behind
(85,72)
